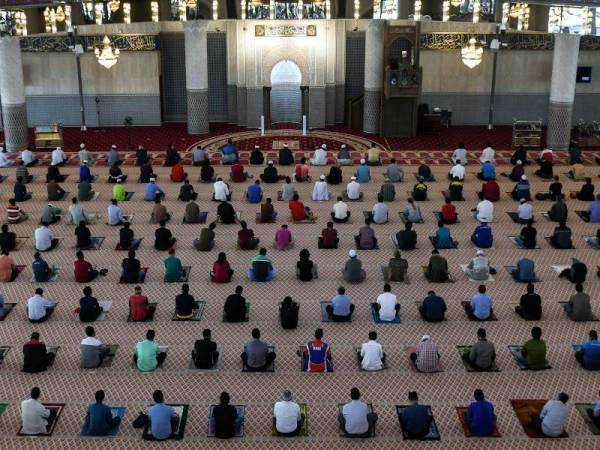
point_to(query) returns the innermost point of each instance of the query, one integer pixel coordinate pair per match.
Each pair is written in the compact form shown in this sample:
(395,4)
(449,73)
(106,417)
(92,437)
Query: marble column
(562,90)
(196,76)
(373,76)
(12,93)
(232,112)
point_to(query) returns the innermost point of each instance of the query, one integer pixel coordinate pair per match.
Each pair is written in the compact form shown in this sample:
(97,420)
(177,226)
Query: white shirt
(320,193)
(353,190)
(319,157)
(43,238)
(76,214)
(371,353)
(58,156)
(525,211)
(485,211)
(27,157)
(460,154)
(458,171)
(340,210)
(487,154)
(36,307)
(90,340)
(554,416)
(380,213)
(4,162)
(287,415)
(355,412)
(115,215)
(221,191)
(387,301)
(33,416)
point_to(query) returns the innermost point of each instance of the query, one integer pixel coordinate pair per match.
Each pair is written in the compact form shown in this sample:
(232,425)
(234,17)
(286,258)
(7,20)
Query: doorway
(286,98)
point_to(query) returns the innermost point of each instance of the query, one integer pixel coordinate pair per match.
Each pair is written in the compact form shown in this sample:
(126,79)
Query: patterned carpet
(125,386)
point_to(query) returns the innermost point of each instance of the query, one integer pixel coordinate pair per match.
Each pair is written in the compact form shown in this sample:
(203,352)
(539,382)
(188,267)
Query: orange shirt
(177,173)
(7,263)
(297,209)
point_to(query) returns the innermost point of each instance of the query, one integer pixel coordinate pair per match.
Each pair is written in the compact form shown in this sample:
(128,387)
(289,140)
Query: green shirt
(437,271)
(173,269)
(534,352)
(119,193)
(146,352)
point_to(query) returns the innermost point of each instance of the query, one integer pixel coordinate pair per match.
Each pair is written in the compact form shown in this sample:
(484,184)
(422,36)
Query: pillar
(373,76)
(232,109)
(12,93)
(196,76)
(562,90)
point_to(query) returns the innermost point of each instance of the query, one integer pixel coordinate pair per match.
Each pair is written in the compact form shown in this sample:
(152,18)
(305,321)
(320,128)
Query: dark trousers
(425,318)
(336,220)
(46,316)
(468,360)
(210,365)
(521,312)
(320,245)
(335,318)
(269,358)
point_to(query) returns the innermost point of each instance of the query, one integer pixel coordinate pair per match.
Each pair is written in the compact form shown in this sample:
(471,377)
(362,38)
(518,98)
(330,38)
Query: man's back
(481,418)
(160,420)
(256,350)
(582,309)
(353,270)
(205,350)
(535,354)
(235,308)
(415,420)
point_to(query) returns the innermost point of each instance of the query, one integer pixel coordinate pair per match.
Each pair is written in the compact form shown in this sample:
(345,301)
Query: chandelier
(60,14)
(114,5)
(472,53)
(456,3)
(107,56)
(191,3)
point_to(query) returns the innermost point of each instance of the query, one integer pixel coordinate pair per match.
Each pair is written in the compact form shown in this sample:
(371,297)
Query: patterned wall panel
(217,77)
(173,78)
(286,104)
(355,64)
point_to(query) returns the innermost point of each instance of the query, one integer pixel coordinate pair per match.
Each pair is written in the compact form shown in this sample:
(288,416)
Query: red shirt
(245,237)
(329,237)
(301,172)
(138,307)
(82,271)
(448,212)
(237,173)
(491,191)
(297,209)
(221,272)
(177,173)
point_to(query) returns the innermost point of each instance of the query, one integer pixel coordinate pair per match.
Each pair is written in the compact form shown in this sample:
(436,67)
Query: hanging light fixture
(271,9)
(215,5)
(327,9)
(53,20)
(192,3)
(59,14)
(21,23)
(68,21)
(515,9)
(472,53)
(445,11)
(505,12)
(476,10)
(182,8)
(300,9)
(127,12)
(243,9)
(154,10)
(98,13)
(47,20)
(114,5)
(587,19)
(417,14)
(107,56)
(356,9)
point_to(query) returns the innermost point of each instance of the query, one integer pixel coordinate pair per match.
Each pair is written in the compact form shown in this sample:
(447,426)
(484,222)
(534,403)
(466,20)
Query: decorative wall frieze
(130,42)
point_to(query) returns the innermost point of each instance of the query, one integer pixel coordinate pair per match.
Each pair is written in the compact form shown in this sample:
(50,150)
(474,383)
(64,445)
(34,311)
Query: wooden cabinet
(48,136)
(527,133)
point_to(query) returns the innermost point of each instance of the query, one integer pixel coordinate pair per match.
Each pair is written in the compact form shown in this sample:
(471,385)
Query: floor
(124,385)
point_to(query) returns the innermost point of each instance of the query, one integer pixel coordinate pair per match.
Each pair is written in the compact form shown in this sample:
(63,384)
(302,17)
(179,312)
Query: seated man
(488,171)
(442,238)
(371,354)
(455,190)
(8,268)
(480,307)
(205,354)
(353,271)
(352,191)
(267,211)
(254,193)
(343,156)
(20,193)
(115,214)
(448,213)
(42,272)
(459,154)
(373,155)
(246,239)
(288,313)
(132,269)
(528,235)
(306,269)
(159,212)
(148,356)
(355,419)
(235,306)
(426,357)
(55,191)
(586,193)
(85,191)
(525,211)
(99,419)
(298,211)
(301,171)
(592,214)
(8,239)
(533,353)
(415,419)
(153,191)
(92,350)
(76,213)
(424,172)
(270,174)
(39,309)
(163,239)
(15,213)
(287,418)
(83,236)
(341,307)
(287,190)
(553,417)
(230,153)
(559,211)
(406,239)
(340,213)
(437,268)
(576,273)
(387,305)
(257,157)
(283,238)
(397,268)
(335,175)
(482,236)
(480,416)
(516,173)
(524,271)
(238,175)
(379,213)
(225,420)
(520,154)
(35,356)
(589,354)
(490,190)
(387,191)
(206,241)
(482,354)
(522,189)
(139,307)
(412,212)
(262,267)
(225,213)
(174,270)
(433,308)
(530,305)
(319,156)
(484,212)
(329,237)
(84,271)
(393,172)
(192,213)
(545,171)
(186,192)
(366,239)
(316,356)
(479,267)
(115,174)
(457,171)
(36,419)
(27,157)
(207,173)
(419,191)
(221,271)
(85,174)
(579,308)
(561,237)
(89,308)
(162,418)
(320,190)
(363,172)
(257,355)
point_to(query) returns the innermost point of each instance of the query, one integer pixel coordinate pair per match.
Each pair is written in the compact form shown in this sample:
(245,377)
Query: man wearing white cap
(320,192)
(522,189)
(525,211)
(363,173)
(152,190)
(320,156)
(353,271)
(343,156)
(112,157)
(270,174)
(352,191)
(83,154)
(479,267)
(426,357)
(257,157)
(59,158)
(286,157)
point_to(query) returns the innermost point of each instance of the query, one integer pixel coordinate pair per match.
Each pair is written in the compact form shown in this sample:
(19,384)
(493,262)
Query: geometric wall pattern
(216,60)
(15,126)
(559,125)
(197,111)
(355,64)
(371,111)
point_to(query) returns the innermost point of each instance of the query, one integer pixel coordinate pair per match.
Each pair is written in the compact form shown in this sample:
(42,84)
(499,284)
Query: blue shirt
(254,193)
(525,270)
(98,420)
(229,149)
(591,354)
(443,239)
(160,420)
(434,307)
(522,190)
(150,192)
(85,174)
(483,236)
(482,305)
(41,270)
(488,171)
(341,305)
(481,418)
(363,174)
(594,211)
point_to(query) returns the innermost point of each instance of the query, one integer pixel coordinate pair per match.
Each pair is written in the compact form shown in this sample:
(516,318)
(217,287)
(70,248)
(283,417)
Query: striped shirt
(14,213)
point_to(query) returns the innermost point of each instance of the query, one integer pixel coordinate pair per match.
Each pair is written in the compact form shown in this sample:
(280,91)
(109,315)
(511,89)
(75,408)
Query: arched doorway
(286,99)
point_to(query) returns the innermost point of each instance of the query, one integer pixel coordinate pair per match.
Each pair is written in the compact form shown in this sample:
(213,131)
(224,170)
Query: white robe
(319,158)
(320,193)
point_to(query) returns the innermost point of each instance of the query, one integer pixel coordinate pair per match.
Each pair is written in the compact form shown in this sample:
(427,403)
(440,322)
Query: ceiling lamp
(192,3)
(107,56)
(456,3)
(114,5)
(515,10)
(60,14)
(472,53)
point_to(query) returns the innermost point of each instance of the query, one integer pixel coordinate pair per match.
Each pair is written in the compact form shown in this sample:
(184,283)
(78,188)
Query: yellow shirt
(578,171)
